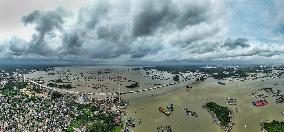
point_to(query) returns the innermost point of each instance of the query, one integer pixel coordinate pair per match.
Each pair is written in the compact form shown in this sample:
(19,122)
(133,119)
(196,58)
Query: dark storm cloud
(16,50)
(94,36)
(71,43)
(110,29)
(136,30)
(145,47)
(17,46)
(45,23)
(163,13)
(104,48)
(240,42)
(149,18)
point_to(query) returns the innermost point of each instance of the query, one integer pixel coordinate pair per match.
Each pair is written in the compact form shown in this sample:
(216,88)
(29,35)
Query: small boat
(260,103)
(164,111)
(170,107)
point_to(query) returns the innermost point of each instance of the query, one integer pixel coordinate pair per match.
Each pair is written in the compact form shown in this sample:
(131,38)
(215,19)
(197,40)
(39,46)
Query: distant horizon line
(94,63)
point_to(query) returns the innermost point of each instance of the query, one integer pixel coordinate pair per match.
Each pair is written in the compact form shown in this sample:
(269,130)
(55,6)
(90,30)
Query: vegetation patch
(99,122)
(12,89)
(221,113)
(274,126)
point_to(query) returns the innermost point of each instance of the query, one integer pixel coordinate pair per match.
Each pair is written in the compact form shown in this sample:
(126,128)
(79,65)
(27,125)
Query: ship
(164,111)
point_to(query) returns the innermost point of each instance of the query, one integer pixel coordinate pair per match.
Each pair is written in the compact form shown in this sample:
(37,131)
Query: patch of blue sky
(252,19)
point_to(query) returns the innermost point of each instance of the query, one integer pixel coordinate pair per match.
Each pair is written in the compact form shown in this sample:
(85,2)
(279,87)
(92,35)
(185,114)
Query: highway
(102,94)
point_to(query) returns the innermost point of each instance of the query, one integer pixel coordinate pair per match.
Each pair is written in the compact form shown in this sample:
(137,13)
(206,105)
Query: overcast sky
(123,31)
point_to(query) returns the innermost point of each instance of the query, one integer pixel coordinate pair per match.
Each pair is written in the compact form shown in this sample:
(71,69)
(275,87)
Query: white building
(3,82)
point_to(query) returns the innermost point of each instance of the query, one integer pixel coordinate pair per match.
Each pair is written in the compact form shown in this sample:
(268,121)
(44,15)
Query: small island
(274,126)
(222,115)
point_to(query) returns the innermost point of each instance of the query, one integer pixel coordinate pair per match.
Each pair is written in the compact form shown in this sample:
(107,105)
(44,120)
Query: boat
(164,111)
(170,107)
(260,103)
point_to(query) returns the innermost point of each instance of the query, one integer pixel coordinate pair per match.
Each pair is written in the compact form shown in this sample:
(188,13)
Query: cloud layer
(120,30)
